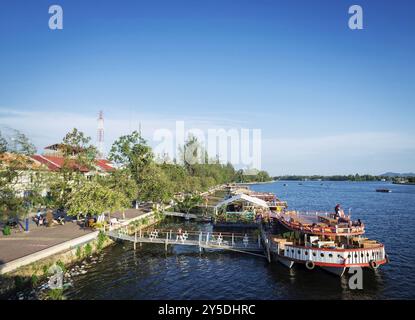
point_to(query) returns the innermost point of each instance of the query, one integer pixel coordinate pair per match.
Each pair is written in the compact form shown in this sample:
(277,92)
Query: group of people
(42,219)
(339,214)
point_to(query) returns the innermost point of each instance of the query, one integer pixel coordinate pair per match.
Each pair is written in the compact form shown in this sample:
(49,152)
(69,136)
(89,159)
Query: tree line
(350,177)
(138,175)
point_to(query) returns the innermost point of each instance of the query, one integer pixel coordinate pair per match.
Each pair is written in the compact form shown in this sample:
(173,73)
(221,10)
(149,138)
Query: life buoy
(310,265)
(373,264)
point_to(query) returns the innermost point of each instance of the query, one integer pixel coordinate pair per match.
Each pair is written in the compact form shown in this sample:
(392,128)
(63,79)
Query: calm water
(150,273)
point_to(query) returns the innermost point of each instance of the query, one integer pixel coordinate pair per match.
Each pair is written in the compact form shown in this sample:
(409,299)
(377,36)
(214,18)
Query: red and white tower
(100,135)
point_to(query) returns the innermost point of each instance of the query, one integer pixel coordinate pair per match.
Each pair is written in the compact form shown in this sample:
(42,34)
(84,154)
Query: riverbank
(25,258)
(28,270)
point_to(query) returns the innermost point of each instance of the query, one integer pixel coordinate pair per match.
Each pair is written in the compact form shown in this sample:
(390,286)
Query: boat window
(355,255)
(314,254)
(361,255)
(322,254)
(330,255)
(306,253)
(349,256)
(299,252)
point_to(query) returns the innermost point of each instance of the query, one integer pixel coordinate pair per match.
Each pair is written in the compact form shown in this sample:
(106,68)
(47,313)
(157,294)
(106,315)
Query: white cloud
(371,152)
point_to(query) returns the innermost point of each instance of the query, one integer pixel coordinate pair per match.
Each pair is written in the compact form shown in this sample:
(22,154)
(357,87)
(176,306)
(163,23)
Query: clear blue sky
(328,99)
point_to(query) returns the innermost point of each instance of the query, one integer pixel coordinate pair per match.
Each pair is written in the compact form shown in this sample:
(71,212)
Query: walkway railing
(203,240)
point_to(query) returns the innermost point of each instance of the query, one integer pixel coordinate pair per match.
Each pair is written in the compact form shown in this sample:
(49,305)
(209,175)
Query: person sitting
(337,210)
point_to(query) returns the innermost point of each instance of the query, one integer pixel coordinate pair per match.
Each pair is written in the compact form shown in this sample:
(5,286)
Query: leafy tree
(77,146)
(120,181)
(189,202)
(154,185)
(14,165)
(3,144)
(79,155)
(19,143)
(132,153)
(95,199)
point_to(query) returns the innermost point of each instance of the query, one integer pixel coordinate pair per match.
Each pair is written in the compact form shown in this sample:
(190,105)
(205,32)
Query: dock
(203,240)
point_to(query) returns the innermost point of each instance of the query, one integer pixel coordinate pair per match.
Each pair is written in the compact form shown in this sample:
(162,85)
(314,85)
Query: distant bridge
(202,240)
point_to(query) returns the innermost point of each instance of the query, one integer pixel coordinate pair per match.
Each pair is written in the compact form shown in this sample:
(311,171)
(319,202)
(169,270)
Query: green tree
(16,199)
(3,144)
(95,199)
(189,202)
(132,153)
(79,156)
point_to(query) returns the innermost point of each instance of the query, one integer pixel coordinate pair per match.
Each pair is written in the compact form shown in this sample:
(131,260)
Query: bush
(78,252)
(19,282)
(101,240)
(88,249)
(6,231)
(61,265)
(34,280)
(56,294)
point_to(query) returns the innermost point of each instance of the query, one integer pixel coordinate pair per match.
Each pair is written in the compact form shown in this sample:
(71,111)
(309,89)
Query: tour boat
(317,239)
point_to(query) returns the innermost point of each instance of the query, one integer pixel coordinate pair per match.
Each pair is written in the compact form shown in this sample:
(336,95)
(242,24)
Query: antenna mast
(100,135)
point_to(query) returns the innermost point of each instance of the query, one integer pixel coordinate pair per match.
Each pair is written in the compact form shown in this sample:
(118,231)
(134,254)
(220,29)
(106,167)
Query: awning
(245,197)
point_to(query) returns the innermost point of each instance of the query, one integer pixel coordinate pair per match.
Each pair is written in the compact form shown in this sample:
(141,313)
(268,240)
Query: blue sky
(327,99)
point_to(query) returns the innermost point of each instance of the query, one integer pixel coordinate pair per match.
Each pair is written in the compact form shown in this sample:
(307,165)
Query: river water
(149,273)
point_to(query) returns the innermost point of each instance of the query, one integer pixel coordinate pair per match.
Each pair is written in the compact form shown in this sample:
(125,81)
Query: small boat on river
(383,190)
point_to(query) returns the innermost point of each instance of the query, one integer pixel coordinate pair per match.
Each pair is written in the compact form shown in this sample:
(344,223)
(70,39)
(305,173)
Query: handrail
(379,246)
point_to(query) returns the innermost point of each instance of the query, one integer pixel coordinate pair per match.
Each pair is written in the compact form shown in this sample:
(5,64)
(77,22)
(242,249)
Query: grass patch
(88,250)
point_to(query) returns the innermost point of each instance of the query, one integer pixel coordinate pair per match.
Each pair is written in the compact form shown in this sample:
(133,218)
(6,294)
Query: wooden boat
(383,190)
(319,223)
(328,244)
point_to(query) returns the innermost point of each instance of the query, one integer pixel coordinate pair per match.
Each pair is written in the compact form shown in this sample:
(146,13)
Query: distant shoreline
(249,183)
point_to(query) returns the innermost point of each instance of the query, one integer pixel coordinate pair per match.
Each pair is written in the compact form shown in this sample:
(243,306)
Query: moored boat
(383,190)
(321,240)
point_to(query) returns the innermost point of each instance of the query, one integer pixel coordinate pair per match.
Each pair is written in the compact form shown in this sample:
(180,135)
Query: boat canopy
(244,197)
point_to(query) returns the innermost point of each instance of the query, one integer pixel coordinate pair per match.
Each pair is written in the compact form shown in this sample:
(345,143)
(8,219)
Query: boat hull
(286,262)
(338,271)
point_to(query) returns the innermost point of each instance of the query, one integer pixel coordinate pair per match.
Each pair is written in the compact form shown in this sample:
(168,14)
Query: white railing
(346,256)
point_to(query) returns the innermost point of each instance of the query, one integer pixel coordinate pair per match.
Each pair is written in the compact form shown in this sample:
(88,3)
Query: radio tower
(100,135)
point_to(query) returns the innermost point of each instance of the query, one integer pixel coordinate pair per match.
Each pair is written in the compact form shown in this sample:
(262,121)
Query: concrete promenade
(22,248)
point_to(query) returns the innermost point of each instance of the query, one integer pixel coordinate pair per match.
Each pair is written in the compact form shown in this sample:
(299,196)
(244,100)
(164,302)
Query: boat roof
(244,197)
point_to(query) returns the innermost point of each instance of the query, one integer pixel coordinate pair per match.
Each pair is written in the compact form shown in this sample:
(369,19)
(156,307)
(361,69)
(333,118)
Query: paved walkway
(20,244)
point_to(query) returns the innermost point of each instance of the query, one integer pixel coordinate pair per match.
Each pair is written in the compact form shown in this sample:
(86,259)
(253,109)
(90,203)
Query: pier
(237,242)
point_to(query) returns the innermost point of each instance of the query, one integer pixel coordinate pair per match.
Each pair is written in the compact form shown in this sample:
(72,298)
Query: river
(119,272)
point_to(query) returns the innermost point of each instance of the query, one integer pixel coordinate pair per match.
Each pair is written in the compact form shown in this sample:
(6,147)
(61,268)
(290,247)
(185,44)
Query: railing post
(167,240)
(207,238)
(233,240)
(135,240)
